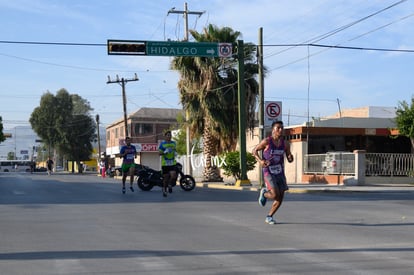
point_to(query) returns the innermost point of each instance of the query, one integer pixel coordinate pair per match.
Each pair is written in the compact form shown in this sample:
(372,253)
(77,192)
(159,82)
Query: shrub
(231,166)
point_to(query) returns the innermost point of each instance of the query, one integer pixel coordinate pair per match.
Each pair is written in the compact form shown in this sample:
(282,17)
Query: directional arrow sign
(171,48)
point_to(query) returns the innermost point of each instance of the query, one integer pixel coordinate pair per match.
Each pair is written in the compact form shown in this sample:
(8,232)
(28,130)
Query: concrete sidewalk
(309,188)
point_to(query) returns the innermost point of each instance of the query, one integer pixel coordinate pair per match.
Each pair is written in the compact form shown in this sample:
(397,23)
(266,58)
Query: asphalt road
(82,224)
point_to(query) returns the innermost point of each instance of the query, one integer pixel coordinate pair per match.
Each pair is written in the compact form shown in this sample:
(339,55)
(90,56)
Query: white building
(21,142)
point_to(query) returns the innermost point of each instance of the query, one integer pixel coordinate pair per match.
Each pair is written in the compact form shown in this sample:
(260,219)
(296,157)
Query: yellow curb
(243,183)
(296,191)
(301,191)
(222,186)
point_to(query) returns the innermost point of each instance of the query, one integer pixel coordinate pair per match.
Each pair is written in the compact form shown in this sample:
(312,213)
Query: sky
(310,81)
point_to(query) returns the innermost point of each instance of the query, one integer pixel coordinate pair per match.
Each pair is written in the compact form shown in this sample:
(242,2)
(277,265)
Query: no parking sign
(272,112)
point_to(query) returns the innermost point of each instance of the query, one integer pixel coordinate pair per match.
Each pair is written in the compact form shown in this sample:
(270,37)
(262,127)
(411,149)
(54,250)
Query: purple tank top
(274,154)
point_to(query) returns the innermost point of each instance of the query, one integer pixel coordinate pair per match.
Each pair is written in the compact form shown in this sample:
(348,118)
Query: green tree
(64,123)
(11,156)
(231,165)
(2,137)
(405,120)
(208,92)
(181,140)
(77,141)
(44,119)
(80,105)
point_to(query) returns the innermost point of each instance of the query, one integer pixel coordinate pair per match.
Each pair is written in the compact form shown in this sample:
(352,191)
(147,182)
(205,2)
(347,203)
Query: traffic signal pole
(163,48)
(242,115)
(261,97)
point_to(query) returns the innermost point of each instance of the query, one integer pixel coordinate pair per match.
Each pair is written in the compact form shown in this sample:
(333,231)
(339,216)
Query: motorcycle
(148,178)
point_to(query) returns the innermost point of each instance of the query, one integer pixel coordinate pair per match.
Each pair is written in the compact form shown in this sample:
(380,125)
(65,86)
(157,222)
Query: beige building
(371,129)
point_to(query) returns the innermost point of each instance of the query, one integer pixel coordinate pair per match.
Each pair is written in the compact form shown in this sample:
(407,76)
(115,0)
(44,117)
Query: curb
(228,187)
(302,190)
(254,189)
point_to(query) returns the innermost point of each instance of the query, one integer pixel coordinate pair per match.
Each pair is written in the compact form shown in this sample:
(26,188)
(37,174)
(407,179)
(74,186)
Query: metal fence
(330,163)
(377,164)
(387,164)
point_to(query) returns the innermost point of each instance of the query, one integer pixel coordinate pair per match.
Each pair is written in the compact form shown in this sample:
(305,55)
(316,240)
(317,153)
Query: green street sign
(169,48)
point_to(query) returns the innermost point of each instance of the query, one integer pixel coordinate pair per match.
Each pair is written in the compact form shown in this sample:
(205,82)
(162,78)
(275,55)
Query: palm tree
(208,92)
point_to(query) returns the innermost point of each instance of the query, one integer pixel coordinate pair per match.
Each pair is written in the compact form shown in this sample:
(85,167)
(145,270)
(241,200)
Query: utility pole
(99,138)
(186,12)
(122,82)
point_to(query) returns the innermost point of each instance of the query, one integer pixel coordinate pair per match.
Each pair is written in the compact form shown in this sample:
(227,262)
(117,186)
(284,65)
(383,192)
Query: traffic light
(126,47)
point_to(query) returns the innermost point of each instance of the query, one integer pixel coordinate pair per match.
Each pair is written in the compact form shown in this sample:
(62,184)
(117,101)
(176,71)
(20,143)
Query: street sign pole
(242,116)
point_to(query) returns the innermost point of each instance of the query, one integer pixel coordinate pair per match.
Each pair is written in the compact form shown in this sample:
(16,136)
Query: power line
(339,29)
(356,22)
(271,45)
(340,47)
(86,44)
(60,65)
(51,43)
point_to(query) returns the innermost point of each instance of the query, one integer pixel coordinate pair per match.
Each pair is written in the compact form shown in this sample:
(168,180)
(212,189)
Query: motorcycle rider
(167,151)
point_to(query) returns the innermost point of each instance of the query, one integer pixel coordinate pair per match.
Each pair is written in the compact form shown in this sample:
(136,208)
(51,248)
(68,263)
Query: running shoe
(131,188)
(123,190)
(164,193)
(262,199)
(270,220)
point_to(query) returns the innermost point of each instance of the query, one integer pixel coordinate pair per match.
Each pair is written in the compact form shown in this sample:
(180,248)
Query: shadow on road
(110,254)
(90,189)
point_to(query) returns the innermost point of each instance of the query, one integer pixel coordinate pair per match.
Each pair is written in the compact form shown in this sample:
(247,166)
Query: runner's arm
(288,153)
(260,147)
